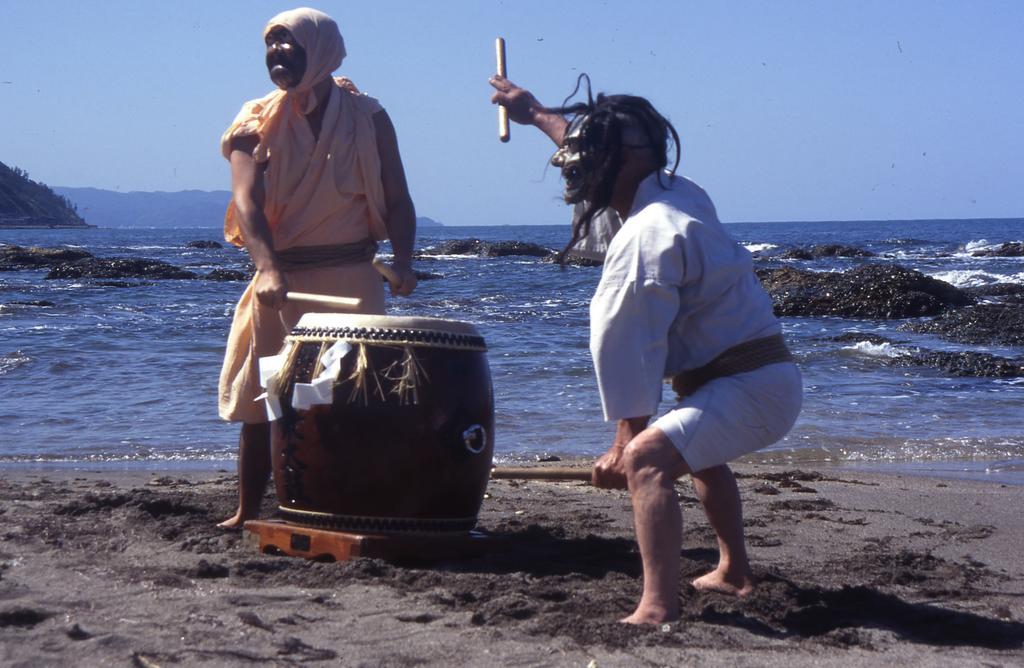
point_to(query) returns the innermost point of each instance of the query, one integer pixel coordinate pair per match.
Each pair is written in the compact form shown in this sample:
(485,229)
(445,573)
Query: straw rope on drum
(291,360)
(405,385)
(405,376)
(361,377)
(319,366)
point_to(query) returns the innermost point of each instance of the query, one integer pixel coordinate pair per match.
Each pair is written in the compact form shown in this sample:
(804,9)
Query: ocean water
(128,375)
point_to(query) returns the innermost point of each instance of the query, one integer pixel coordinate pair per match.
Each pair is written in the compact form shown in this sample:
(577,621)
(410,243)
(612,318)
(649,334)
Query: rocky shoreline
(28,204)
(869,290)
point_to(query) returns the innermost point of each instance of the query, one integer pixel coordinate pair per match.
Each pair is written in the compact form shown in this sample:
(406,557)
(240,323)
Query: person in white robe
(678,298)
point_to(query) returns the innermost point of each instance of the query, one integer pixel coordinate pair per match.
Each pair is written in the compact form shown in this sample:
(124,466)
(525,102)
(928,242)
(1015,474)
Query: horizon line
(566,224)
(560,224)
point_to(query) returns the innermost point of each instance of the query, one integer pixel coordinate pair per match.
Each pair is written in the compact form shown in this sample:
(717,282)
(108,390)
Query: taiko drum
(406,441)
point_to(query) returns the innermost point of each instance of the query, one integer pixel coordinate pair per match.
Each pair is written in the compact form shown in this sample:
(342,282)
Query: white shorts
(734,415)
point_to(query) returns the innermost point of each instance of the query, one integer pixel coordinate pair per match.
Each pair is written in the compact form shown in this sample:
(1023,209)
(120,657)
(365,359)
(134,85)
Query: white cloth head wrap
(318,34)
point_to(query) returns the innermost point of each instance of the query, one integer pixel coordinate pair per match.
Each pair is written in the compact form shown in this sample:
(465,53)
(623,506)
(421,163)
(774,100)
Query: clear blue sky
(788,110)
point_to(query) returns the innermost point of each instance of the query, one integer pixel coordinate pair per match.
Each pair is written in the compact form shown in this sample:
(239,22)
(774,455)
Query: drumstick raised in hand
(503,132)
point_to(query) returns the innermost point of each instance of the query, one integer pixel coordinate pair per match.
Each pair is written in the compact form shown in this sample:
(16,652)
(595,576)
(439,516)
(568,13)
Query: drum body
(405,444)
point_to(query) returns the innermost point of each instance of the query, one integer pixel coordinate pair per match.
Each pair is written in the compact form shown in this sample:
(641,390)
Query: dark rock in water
(575,261)
(1010,249)
(227,275)
(1014,298)
(1000,324)
(455,247)
(487,248)
(204,244)
(857,337)
(824,250)
(963,363)
(960,363)
(869,291)
(502,249)
(421,276)
(1010,293)
(36,302)
(119,268)
(121,284)
(13,258)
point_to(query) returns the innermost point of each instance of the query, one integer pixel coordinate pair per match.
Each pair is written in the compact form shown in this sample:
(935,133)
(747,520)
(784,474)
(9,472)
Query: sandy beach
(121,568)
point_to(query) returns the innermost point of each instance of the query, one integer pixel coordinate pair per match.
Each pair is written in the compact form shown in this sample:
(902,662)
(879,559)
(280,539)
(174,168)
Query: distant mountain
(185,208)
(28,203)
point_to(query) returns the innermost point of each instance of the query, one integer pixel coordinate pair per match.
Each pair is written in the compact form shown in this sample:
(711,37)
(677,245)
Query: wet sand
(126,568)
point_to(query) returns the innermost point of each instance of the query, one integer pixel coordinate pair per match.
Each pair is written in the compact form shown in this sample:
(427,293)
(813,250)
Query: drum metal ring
(475,439)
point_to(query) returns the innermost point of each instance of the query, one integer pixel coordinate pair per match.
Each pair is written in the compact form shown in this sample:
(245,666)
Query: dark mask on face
(573,162)
(286,60)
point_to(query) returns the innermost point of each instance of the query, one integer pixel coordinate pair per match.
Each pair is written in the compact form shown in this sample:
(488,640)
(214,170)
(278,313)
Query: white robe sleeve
(635,304)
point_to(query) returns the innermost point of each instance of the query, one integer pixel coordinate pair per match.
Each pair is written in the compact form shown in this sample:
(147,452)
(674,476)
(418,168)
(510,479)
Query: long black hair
(601,143)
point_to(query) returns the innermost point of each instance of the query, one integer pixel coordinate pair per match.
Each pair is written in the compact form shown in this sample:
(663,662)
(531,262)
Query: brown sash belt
(333,255)
(741,358)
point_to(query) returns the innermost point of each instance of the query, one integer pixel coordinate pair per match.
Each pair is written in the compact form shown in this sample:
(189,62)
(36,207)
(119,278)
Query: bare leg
(253,473)
(717,490)
(650,462)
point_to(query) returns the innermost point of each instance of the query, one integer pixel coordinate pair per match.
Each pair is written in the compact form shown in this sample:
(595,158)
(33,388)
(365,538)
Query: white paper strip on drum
(271,366)
(321,391)
(273,405)
(318,393)
(270,369)
(331,360)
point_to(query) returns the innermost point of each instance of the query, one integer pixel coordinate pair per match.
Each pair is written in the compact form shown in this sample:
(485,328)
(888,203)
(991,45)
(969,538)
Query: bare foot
(235,521)
(731,585)
(650,615)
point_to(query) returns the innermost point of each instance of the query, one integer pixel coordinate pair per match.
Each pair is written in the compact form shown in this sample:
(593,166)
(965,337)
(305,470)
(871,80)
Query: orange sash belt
(333,255)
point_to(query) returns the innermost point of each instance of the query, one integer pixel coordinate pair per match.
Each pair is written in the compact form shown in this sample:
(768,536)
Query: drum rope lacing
(405,337)
(377,524)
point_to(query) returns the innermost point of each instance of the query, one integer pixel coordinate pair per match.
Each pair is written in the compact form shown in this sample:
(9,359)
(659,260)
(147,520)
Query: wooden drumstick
(385,270)
(326,300)
(499,47)
(539,473)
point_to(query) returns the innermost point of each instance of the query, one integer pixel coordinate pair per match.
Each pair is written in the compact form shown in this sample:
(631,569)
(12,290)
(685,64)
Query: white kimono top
(675,292)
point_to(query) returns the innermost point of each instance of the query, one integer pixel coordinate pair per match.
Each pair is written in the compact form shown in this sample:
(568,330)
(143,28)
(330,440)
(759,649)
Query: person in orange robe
(316,182)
